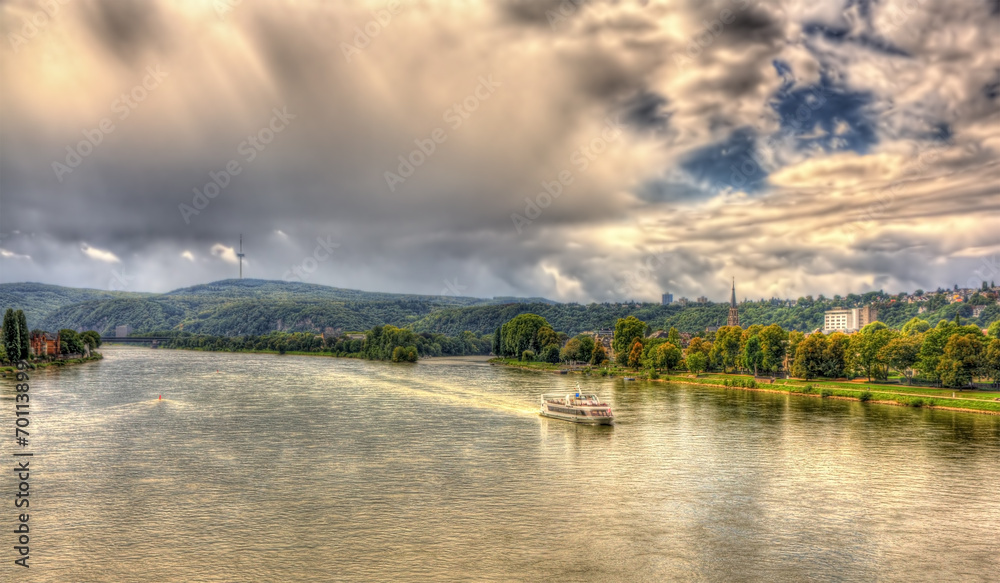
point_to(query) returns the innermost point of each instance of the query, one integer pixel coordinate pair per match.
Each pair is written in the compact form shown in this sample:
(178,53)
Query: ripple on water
(259,467)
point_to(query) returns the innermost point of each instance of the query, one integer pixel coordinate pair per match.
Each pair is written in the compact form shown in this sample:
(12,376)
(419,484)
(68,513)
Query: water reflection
(258,467)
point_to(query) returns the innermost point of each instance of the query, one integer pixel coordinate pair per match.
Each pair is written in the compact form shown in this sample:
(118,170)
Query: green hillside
(39,299)
(574,318)
(241,307)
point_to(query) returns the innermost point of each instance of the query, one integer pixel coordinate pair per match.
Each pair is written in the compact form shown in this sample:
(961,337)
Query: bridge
(153,340)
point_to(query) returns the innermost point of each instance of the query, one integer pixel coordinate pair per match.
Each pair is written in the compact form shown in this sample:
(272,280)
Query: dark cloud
(126,28)
(663,185)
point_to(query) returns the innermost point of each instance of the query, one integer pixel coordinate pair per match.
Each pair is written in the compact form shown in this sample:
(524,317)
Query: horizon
(692,302)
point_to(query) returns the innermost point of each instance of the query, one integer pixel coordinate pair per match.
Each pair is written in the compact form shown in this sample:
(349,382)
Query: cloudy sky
(578,150)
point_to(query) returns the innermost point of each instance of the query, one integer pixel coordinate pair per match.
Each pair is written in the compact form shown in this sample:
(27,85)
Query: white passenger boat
(577,407)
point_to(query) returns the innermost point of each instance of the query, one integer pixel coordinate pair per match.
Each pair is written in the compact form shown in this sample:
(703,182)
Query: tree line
(379,343)
(949,354)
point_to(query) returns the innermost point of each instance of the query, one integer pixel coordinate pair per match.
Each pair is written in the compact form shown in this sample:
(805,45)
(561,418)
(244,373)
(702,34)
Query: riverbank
(6,370)
(987,402)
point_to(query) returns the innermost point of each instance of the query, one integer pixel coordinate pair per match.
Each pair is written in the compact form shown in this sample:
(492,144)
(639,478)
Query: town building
(45,344)
(734,313)
(849,319)
(666,299)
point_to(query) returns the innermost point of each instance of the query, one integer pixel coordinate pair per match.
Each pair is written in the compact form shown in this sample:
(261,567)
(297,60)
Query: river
(296,468)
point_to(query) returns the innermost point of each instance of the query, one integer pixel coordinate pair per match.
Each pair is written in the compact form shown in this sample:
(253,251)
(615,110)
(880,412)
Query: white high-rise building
(848,319)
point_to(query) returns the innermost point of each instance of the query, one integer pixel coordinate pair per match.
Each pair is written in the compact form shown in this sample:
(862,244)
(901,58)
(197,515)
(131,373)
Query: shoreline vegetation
(59,363)
(970,401)
(387,343)
(948,366)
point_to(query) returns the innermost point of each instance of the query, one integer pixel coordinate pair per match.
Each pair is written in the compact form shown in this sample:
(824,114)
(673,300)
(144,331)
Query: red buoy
(161,397)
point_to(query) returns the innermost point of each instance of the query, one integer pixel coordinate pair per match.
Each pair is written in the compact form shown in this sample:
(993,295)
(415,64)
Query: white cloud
(227,254)
(188,255)
(11,255)
(100,254)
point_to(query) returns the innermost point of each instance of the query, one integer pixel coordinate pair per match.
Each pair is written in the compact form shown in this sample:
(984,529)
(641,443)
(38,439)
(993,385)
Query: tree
(726,347)
(932,348)
(752,355)
(961,360)
(11,336)
(674,337)
(550,354)
(521,333)
(699,345)
(864,351)
(627,330)
(991,360)
(598,356)
(901,354)
(91,339)
(697,362)
(24,340)
(404,354)
(665,356)
(794,338)
(571,352)
(635,354)
(835,355)
(873,327)
(547,336)
(809,357)
(994,330)
(69,342)
(586,347)
(528,355)
(772,344)
(916,326)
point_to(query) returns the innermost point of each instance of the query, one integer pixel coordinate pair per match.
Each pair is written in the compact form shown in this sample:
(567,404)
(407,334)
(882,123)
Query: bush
(865,396)
(808,389)
(653,374)
(604,372)
(916,402)
(550,354)
(826,393)
(528,355)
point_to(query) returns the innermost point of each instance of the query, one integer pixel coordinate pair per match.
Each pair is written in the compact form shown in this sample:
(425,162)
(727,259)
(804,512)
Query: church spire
(732,302)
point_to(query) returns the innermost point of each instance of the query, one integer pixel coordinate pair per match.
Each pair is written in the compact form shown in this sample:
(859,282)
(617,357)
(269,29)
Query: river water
(295,468)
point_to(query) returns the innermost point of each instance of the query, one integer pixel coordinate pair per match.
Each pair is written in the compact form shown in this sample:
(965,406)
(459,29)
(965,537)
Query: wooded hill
(242,307)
